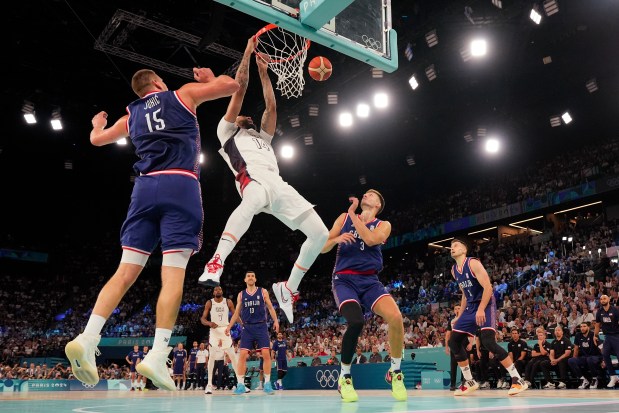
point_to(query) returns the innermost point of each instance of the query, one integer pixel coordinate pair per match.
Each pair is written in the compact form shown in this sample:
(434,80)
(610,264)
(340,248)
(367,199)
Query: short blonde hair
(141,80)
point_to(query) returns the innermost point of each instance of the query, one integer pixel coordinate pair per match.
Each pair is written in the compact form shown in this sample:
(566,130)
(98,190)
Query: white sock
(395,363)
(345,369)
(240,380)
(279,381)
(317,234)
(95,325)
(209,370)
(162,338)
(513,372)
(466,372)
(225,246)
(267,378)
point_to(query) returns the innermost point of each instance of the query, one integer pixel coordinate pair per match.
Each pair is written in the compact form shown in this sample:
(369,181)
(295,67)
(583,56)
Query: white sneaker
(594,384)
(209,389)
(506,385)
(518,386)
(561,385)
(584,384)
(155,368)
(484,385)
(613,381)
(81,353)
(285,298)
(499,384)
(549,386)
(466,387)
(212,272)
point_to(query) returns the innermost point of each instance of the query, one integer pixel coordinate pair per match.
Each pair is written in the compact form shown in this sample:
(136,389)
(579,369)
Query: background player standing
(355,284)
(219,309)
(607,319)
(279,353)
(477,311)
(133,358)
(179,363)
(251,309)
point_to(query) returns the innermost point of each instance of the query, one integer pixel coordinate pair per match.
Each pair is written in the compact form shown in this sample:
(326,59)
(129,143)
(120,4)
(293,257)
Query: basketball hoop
(286,53)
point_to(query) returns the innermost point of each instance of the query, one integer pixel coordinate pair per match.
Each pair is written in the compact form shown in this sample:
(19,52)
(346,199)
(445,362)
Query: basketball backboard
(357,28)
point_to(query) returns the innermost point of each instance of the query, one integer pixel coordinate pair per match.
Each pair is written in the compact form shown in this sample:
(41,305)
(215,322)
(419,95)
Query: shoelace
(214,265)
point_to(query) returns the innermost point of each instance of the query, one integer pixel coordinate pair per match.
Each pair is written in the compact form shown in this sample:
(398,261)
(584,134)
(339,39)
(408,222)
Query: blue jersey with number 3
(357,257)
(165,133)
(467,280)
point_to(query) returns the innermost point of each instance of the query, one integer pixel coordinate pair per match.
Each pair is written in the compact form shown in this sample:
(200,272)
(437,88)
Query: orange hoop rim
(272,26)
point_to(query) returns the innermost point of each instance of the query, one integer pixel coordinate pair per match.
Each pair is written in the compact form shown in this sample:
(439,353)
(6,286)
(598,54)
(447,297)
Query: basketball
(320,68)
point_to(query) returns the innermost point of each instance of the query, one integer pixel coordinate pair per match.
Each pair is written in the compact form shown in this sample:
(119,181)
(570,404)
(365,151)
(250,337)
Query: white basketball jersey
(219,312)
(247,149)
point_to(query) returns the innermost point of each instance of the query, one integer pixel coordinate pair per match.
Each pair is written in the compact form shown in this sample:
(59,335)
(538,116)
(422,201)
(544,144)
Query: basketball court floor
(375,401)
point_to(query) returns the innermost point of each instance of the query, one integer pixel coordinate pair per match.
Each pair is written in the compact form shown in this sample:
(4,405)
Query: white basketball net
(287,53)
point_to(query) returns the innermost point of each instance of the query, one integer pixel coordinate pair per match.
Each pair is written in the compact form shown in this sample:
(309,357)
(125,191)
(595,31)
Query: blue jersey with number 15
(165,133)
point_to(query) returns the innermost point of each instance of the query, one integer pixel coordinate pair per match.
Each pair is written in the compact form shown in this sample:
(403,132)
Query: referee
(607,318)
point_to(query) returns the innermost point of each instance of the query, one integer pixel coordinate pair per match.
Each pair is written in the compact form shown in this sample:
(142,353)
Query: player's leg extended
(488,340)
(266,365)
(457,345)
(172,276)
(235,364)
(352,313)
(389,311)
(254,199)
(241,370)
(82,351)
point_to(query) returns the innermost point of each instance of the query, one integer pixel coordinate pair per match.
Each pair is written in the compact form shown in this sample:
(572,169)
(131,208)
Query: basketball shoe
(209,389)
(268,388)
(466,387)
(240,389)
(285,298)
(518,386)
(396,379)
(346,389)
(212,272)
(81,353)
(155,368)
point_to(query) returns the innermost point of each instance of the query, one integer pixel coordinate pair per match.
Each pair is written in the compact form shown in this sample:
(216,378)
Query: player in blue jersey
(133,358)
(251,309)
(607,320)
(192,376)
(356,286)
(179,364)
(165,209)
(477,311)
(142,381)
(251,158)
(279,352)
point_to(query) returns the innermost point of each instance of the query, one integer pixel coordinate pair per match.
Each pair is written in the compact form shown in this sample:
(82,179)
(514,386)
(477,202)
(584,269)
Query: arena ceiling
(53,63)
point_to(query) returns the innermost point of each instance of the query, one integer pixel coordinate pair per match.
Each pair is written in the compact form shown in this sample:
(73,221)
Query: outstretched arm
(242,77)
(100,136)
(269,117)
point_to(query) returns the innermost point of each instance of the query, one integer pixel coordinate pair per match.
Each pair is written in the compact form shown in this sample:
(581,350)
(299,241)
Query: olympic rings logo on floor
(327,378)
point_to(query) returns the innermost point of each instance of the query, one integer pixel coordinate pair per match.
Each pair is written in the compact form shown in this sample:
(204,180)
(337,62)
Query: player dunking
(219,309)
(252,160)
(133,358)
(477,311)
(355,284)
(165,209)
(251,309)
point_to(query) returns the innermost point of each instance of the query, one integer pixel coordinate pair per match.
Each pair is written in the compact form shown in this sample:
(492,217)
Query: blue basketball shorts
(466,323)
(363,289)
(255,335)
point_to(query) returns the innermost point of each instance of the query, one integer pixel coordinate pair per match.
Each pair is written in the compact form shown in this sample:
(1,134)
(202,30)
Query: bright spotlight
(535,16)
(363,110)
(121,142)
(492,145)
(345,119)
(287,151)
(566,118)
(201,159)
(413,82)
(381,100)
(478,47)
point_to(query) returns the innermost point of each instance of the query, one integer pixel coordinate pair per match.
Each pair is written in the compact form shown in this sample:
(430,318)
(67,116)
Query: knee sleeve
(457,345)
(134,257)
(351,311)
(176,258)
(488,340)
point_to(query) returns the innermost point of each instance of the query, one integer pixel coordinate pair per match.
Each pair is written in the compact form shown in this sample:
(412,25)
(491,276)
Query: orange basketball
(320,68)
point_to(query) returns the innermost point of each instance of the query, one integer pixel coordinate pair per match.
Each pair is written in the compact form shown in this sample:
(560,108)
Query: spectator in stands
(375,357)
(587,358)
(359,357)
(333,360)
(316,361)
